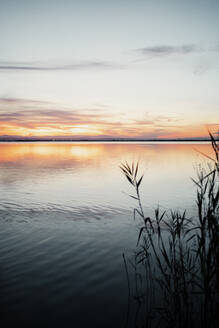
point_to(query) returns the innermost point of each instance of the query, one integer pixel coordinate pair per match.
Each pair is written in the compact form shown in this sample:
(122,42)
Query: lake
(66,219)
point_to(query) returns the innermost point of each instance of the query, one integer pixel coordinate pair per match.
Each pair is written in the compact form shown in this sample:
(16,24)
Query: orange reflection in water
(58,154)
(46,152)
(93,168)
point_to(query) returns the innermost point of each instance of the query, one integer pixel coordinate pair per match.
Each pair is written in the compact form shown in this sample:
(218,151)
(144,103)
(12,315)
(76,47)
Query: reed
(176,261)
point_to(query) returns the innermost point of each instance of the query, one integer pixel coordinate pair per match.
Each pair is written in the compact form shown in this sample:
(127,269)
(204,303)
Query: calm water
(66,219)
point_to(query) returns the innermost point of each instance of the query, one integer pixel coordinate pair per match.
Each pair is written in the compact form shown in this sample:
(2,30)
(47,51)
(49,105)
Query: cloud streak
(86,65)
(167,50)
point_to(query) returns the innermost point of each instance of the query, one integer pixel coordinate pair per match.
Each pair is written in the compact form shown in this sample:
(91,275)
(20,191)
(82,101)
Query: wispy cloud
(32,117)
(83,65)
(166,50)
(26,117)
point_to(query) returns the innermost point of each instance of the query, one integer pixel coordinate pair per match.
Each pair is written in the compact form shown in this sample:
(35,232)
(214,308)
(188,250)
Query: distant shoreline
(105,140)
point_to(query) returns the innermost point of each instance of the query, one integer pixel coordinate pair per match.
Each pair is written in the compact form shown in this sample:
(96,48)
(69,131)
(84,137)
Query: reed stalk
(176,261)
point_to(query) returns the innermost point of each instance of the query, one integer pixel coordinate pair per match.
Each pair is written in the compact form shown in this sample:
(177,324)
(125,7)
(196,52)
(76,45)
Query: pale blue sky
(142,58)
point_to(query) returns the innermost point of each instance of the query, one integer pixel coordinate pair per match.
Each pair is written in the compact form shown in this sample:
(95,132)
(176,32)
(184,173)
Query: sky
(96,68)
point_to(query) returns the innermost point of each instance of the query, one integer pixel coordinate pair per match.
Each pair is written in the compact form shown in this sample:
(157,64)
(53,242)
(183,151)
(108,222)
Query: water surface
(66,219)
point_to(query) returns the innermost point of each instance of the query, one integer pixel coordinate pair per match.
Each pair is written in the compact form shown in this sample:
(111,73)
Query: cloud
(26,117)
(166,50)
(32,114)
(84,65)
(17,100)
(34,118)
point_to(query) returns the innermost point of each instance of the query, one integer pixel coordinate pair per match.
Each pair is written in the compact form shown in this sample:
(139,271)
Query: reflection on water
(54,153)
(65,221)
(48,175)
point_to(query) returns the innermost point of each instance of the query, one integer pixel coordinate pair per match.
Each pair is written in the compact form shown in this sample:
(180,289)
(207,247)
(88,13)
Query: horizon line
(111,139)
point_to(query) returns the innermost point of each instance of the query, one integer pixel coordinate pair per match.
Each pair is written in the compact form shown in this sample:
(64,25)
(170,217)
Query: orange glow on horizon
(58,130)
(69,123)
(192,131)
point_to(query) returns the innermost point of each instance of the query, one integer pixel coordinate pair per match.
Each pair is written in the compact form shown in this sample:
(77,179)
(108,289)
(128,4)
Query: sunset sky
(114,68)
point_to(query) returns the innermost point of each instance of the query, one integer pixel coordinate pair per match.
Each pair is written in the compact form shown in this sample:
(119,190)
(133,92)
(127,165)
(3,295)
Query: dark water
(65,222)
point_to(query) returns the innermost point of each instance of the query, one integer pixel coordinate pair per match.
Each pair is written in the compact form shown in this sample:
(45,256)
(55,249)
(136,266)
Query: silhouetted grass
(176,263)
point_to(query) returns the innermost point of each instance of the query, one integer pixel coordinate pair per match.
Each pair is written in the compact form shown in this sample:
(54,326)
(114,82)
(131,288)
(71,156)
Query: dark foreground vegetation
(176,262)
